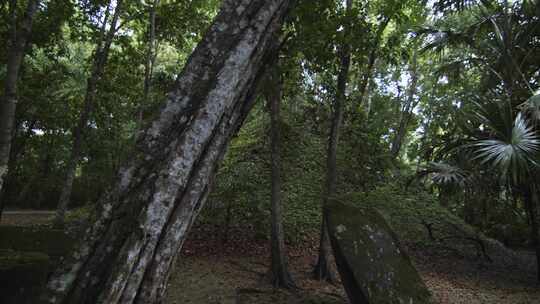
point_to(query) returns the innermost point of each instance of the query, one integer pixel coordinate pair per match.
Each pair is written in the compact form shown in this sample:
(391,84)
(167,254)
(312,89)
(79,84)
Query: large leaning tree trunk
(101,56)
(143,221)
(18,43)
(322,269)
(279,270)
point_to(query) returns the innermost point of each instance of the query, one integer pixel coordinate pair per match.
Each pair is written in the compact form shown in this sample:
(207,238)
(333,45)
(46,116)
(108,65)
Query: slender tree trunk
(17,147)
(143,221)
(150,59)
(322,269)
(367,75)
(372,60)
(279,271)
(45,171)
(425,156)
(100,60)
(531,203)
(18,42)
(406,113)
(366,79)
(368,100)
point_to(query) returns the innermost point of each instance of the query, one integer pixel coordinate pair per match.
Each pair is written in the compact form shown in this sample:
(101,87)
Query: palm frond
(515,155)
(495,116)
(443,174)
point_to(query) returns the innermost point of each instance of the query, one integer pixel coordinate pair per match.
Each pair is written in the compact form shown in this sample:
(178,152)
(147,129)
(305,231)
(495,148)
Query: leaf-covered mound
(423,225)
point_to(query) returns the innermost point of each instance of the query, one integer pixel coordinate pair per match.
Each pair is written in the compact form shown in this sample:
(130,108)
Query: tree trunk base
(323,272)
(282,280)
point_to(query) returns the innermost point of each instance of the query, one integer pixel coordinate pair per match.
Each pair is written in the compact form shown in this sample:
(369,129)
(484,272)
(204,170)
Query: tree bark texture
(406,111)
(100,60)
(143,221)
(18,43)
(322,269)
(279,271)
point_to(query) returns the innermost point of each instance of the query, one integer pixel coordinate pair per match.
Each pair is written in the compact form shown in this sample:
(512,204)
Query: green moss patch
(22,276)
(54,243)
(10,259)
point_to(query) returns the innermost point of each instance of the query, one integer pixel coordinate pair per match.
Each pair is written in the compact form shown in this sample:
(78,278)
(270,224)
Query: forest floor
(210,272)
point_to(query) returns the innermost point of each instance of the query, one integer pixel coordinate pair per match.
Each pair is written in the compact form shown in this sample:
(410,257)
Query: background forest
(431,106)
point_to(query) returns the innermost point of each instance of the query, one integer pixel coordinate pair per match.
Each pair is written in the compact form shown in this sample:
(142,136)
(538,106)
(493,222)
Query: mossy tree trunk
(143,221)
(322,269)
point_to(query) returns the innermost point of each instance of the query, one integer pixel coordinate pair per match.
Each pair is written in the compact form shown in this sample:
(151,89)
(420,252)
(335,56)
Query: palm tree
(510,143)
(500,39)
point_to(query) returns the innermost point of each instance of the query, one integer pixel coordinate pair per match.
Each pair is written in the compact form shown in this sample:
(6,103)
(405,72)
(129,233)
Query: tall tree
(381,34)
(322,269)
(279,271)
(101,55)
(372,60)
(407,108)
(143,221)
(20,30)
(151,53)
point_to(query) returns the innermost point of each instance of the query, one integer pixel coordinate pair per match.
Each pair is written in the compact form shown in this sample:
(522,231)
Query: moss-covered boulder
(22,276)
(373,267)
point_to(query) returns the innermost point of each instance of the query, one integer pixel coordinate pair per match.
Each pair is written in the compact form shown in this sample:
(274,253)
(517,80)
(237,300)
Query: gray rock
(373,267)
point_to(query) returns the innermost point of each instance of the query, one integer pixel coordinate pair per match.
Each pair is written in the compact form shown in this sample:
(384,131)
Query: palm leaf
(443,174)
(514,155)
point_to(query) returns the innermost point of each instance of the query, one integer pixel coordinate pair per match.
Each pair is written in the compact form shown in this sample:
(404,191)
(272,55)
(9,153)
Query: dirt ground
(233,279)
(209,272)
(461,281)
